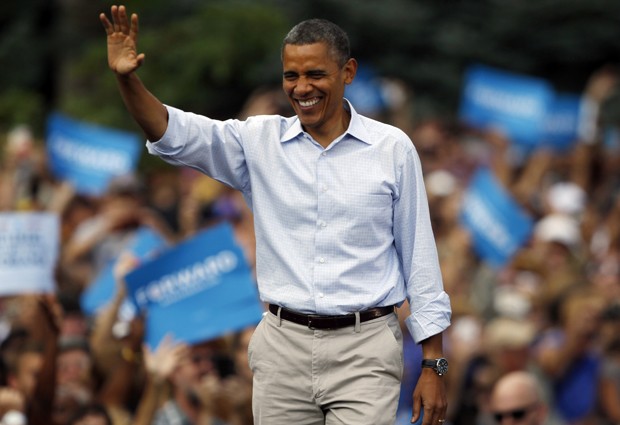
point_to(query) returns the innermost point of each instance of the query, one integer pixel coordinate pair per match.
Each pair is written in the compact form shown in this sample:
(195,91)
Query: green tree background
(208,56)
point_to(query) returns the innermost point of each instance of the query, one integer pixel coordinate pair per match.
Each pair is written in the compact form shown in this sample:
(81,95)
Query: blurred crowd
(553,311)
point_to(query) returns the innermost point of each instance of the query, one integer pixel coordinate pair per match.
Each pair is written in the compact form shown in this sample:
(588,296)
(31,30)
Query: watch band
(439,365)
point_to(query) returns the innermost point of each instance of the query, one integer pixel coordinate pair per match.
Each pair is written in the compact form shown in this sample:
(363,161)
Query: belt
(316,321)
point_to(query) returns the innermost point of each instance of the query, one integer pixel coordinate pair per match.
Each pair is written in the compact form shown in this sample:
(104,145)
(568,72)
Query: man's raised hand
(123,57)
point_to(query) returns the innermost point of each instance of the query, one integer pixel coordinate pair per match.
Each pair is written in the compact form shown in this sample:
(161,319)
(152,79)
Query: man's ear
(350,69)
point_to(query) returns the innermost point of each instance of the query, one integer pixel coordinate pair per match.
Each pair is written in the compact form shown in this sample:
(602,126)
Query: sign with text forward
(201,289)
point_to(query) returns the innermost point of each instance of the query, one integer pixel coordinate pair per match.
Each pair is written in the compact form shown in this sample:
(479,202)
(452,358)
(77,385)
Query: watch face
(442,366)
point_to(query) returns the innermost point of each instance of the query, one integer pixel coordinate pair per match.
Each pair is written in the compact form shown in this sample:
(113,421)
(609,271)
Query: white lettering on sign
(188,281)
(507,103)
(90,157)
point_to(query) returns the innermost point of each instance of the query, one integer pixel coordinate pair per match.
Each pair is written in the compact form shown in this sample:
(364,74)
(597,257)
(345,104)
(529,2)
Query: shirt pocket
(367,218)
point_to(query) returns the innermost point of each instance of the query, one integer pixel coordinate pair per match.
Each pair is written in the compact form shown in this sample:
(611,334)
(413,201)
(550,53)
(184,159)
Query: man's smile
(308,103)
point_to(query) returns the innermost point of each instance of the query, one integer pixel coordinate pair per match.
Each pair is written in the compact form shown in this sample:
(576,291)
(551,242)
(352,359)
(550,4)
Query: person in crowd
(196,389)
(335,252)
(569,353)
(516,399)
(31,360)
(98,240)
(92,414)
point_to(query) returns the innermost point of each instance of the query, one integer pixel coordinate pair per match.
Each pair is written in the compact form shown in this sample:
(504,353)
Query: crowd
(553,311)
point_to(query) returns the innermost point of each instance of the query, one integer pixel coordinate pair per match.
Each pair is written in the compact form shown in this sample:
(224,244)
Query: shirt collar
(356,127)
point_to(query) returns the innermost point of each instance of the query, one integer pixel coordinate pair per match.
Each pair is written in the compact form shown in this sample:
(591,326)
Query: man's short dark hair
(321,31)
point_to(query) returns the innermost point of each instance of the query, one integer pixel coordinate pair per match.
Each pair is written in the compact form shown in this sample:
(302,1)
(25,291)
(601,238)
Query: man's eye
(290,77)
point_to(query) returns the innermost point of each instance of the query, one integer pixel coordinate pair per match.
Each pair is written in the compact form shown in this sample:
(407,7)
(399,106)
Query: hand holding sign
(125,263)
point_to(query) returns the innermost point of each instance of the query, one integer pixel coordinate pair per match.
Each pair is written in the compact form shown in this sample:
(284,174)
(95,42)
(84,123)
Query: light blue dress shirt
(338,229)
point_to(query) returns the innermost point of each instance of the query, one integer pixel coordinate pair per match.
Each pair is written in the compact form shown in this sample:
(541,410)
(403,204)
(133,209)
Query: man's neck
(325,138)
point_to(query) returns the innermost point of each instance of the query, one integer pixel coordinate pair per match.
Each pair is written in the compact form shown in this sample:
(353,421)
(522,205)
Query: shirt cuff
(169,144)
(431,319)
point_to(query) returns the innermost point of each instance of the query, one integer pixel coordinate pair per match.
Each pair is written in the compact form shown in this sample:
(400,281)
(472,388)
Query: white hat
(506,332)
(558,228)
(567,198)
(440,183)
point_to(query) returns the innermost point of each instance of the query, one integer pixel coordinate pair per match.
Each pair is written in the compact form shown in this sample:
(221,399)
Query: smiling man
(343,234)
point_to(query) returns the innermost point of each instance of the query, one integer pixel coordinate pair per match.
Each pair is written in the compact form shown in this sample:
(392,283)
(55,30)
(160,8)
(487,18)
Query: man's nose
(303,86)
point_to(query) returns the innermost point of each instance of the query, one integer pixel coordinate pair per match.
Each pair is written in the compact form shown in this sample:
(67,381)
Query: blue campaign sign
(199,290)
(145,245)
(497,224)
(512,103)
(365,92)
(87,155)
(562,123)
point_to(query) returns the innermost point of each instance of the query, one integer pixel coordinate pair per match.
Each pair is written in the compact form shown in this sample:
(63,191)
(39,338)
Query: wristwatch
(440,365)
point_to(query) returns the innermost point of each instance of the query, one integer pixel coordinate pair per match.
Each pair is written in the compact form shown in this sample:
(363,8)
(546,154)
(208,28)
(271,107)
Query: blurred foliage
(207,56)
(206,61)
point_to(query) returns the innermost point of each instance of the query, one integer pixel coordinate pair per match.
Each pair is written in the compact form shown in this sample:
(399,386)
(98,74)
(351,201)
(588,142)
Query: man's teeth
(307,103)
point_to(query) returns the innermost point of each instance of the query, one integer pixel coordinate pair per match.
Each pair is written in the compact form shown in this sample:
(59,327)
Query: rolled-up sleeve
(415,243)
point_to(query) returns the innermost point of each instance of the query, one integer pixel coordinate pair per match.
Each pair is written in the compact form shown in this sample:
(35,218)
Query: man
(342,233)
(192,401)
(516,399)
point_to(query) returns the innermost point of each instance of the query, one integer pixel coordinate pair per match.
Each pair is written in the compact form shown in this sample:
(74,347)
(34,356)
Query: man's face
(73,366)
(314,83)
(517,409)
(194,367)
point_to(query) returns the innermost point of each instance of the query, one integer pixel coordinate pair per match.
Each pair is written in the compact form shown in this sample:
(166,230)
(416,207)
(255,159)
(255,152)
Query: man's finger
(115,18)
(123,23)
(418,412)
(107,25)
(133,32)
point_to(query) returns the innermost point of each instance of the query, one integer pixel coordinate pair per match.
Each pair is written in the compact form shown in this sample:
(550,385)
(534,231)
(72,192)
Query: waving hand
(123,57)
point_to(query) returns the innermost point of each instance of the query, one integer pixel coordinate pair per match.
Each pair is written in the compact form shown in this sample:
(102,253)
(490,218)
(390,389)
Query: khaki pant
(304,376)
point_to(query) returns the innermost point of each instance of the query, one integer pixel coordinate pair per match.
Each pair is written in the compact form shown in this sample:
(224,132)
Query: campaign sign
(89,156)
(29,245)
(199,290)
(497,224)
(562,123)
(145,244)
(365,92)
(511,103)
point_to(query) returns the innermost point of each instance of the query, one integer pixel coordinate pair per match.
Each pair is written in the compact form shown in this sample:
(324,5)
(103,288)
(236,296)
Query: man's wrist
(439,365)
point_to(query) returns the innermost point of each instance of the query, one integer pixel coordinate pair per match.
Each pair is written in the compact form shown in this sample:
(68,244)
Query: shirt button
(321,295)
(323,188)
(321,260)
(323,224)
(324,153)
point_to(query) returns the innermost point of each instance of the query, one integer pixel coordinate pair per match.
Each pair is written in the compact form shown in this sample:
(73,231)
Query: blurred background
(528,233)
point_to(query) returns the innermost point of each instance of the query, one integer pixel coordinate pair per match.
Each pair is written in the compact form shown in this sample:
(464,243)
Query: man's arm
(429,304)
(123,59)
(430,392)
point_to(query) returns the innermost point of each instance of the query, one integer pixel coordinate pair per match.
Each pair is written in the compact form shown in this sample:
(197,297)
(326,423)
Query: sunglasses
(516,414)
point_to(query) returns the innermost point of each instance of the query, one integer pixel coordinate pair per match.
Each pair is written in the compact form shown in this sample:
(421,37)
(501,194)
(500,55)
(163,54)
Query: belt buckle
(310,318)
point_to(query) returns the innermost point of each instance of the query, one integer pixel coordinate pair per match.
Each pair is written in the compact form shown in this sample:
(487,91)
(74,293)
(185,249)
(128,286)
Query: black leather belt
(315,321)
